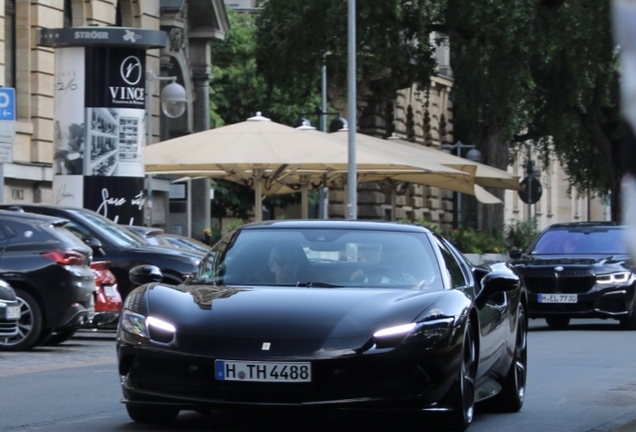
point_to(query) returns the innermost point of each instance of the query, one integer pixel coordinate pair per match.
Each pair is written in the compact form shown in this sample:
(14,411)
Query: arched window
(9,44)
(68,14)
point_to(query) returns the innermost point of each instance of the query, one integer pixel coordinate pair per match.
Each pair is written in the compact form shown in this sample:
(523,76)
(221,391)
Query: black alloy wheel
(464,406)
(29,324)
(513,391)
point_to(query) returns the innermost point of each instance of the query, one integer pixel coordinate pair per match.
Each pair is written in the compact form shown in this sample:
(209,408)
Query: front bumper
(600,302)
(417,379)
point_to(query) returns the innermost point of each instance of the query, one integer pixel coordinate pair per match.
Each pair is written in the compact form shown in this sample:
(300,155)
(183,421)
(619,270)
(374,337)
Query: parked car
(9,312)
(151,235)
(184,242)
(579,270)
(108,302)
(158,237)
(340,314)
(48,267)
(111,242)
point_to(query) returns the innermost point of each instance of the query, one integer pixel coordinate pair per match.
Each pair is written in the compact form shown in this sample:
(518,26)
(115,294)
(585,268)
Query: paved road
(580,380)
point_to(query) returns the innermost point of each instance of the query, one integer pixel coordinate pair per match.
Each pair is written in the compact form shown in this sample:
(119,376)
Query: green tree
(238,91)
(543,70)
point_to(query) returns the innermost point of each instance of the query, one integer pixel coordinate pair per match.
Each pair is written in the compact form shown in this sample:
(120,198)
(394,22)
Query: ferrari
(326,314)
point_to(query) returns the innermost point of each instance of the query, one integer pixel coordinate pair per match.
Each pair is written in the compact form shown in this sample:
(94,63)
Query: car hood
(166,250)
(311,320)
(589,260)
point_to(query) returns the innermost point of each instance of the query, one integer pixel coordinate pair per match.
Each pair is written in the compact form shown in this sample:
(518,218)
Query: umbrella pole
(304,201)
(393,200)
(258,199)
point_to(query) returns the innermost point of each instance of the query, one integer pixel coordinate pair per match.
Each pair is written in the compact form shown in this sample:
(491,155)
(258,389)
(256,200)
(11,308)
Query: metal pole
(529,168)
(2,183)
(150,78)
(352,200)
(323,196)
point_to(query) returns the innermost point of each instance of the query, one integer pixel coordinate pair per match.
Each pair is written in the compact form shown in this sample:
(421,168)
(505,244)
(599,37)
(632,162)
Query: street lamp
(173,105)
(473,155)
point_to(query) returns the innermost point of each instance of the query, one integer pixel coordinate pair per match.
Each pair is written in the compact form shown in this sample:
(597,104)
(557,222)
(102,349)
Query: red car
(108,302)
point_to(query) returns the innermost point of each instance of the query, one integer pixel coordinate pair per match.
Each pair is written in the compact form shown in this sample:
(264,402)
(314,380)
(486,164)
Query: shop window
(9,44)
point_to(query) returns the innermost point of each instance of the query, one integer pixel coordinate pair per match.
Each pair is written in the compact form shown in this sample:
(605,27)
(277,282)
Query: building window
(68,14)
(9,44)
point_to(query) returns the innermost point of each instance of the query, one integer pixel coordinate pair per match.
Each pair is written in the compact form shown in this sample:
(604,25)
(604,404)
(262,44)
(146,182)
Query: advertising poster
(68,121)
(120,199)
(68,190)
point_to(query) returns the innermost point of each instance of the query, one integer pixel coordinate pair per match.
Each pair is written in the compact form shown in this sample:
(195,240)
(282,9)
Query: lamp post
(472,155)
(323,193)
(173,105)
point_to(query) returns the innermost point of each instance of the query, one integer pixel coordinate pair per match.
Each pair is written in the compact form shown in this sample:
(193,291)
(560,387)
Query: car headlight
(613,278)
(424,331)
(147,327)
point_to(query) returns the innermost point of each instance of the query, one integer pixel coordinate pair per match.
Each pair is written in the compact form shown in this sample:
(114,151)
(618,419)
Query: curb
(630,426)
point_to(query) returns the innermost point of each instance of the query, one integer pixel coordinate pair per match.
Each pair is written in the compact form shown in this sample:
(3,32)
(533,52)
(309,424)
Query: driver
(396,265)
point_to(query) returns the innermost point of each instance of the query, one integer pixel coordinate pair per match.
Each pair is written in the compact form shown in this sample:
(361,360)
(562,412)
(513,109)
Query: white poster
(68,190)
(68,118)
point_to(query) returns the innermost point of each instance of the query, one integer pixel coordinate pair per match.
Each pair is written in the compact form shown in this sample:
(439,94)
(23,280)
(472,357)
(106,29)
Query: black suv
(112,242)
(48,268)
(579,270)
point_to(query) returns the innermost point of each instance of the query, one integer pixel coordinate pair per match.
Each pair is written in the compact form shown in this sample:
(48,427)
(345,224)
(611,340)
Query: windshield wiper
(317,285)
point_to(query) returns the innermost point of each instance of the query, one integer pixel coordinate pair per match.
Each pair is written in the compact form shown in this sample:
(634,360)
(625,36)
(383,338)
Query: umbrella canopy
(485,175)
(262,153)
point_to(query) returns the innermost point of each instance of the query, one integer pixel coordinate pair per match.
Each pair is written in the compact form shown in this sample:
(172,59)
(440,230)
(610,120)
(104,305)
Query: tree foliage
(524,70)
(238,90)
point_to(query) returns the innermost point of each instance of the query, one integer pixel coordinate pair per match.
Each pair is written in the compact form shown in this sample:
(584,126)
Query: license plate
(558,298)
(229,370)
(109,290)
(13,312)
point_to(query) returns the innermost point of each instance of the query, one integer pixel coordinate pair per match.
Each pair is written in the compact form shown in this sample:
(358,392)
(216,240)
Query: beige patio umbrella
(263,154)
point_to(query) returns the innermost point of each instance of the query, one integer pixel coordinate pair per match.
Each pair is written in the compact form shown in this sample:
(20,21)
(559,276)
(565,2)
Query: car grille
(8,328)
(568,282)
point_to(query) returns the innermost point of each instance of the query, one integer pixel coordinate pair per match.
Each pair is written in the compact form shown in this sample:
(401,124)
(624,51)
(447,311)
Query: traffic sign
(7,115)
(7,103)
(536,190)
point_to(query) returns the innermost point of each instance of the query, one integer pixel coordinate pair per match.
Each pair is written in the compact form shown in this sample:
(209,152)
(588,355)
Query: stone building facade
(29,68)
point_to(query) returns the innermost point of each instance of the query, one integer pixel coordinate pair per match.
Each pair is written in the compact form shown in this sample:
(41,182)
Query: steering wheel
(384,274)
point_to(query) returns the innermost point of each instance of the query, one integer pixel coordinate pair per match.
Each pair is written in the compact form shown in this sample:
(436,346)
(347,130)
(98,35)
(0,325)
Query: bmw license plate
(13,312)
(558,298)
(229,370)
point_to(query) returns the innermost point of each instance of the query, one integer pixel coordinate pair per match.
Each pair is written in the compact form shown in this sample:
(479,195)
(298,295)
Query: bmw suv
(579,270)
(48,268)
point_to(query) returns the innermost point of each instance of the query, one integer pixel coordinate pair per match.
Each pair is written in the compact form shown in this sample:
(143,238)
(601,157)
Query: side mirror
(144,274)
(497,282)
(96,245)
(515,253)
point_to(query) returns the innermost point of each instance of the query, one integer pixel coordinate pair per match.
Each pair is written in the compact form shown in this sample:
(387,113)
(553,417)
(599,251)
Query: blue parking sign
(7,103)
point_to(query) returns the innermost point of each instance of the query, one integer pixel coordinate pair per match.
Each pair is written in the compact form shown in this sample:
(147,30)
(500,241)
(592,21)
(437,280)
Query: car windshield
(318,258)
(115,233)
(581,241)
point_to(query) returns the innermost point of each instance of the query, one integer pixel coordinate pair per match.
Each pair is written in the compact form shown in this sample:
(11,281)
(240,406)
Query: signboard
(7,124)
(533,195)
(6,152)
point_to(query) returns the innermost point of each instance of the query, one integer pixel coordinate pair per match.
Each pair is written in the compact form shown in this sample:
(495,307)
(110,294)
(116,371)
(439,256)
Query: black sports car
(579,270)
(342,314)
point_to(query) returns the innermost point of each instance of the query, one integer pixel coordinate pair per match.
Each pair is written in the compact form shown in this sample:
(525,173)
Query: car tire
(61,336)
(558,323)
(464,388)
(152,414)
(29,325)
(513,391)
(629,322)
